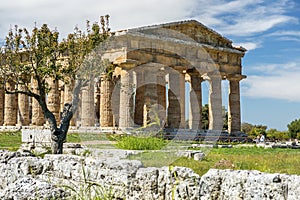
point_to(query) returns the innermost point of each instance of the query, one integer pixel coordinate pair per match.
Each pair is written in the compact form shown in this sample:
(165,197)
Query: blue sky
(269,29)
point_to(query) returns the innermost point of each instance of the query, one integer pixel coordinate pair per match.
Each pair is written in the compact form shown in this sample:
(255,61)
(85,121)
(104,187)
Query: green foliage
(254,130)
(141,143)
(205,116)
(294,128)
(274,134)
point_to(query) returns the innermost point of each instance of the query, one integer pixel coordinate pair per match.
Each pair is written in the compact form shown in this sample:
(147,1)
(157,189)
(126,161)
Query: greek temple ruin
(157,69)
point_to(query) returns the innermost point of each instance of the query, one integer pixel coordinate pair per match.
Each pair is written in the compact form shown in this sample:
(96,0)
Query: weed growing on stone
(89,190)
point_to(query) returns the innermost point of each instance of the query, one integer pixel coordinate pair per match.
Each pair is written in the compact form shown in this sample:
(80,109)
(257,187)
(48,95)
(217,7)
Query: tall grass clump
(141,143)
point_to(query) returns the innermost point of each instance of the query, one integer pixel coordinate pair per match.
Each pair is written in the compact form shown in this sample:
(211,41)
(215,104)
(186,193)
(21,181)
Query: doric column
(174,110)
(1,103)
(126,107)
(215,102)
(97,100)
(37,117)
(182,99)
(10,106)
(23,113)
(150,99)
(195,102)
(234,109)
(53,99)
(68,95)
(61,89)
(106,114)
(161,97)
(87,105)
(139,97)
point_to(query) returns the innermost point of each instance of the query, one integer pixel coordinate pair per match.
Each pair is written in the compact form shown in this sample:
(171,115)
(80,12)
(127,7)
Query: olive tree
(37,56)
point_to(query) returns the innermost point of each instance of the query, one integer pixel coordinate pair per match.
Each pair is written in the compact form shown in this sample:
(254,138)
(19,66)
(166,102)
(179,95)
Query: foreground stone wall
(24,176)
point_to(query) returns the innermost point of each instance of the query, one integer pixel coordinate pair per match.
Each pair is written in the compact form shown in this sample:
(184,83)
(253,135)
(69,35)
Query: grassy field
(244,158)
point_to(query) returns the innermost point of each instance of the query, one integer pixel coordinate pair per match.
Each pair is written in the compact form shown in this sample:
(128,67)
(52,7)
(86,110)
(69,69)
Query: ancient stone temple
(157,77)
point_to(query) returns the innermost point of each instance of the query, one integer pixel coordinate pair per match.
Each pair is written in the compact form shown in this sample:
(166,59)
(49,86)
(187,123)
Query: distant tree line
(293,131)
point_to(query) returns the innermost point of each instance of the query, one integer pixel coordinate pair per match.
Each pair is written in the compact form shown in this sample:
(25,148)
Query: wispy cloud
(279,81)
(249,45)
(69,13)
(286,35)
(245,17)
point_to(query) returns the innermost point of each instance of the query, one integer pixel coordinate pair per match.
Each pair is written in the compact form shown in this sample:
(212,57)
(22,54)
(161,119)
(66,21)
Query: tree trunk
(58,135)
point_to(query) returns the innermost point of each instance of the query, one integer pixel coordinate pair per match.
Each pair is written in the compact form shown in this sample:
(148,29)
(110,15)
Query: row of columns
(152,102)
(153,95)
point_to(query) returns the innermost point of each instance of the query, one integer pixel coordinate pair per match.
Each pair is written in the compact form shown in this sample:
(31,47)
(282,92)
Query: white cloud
(245,17)
(278,81)
(65,15)
(237,17)
(249,45)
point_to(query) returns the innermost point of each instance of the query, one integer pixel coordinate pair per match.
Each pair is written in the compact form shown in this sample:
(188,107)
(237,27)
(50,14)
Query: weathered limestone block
(229,184)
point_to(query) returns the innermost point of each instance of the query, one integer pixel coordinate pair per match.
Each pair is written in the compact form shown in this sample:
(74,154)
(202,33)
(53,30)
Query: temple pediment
(190,31)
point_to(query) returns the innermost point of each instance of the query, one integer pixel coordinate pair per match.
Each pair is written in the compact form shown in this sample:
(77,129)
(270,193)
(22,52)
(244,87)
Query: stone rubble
(25,176)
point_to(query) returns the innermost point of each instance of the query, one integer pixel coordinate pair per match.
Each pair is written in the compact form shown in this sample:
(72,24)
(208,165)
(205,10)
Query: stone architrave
(10,106)
(174,110)
(1,104)
(106,113)
(37,118)
(87,105)
(234,109)
(215,103)
(53,99)
(126,104)
(195,102)
(139,98)
(23,112)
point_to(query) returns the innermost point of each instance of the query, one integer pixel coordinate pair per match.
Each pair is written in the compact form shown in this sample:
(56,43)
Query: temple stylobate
(156,70)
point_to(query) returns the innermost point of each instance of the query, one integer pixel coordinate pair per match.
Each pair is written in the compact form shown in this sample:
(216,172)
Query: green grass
(265,160)
(141,143)
(10,140)
(242,158)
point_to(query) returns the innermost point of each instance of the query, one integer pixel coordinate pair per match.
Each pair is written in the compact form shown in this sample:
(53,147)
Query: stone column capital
(212,75)
(235,77)
(128,64)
